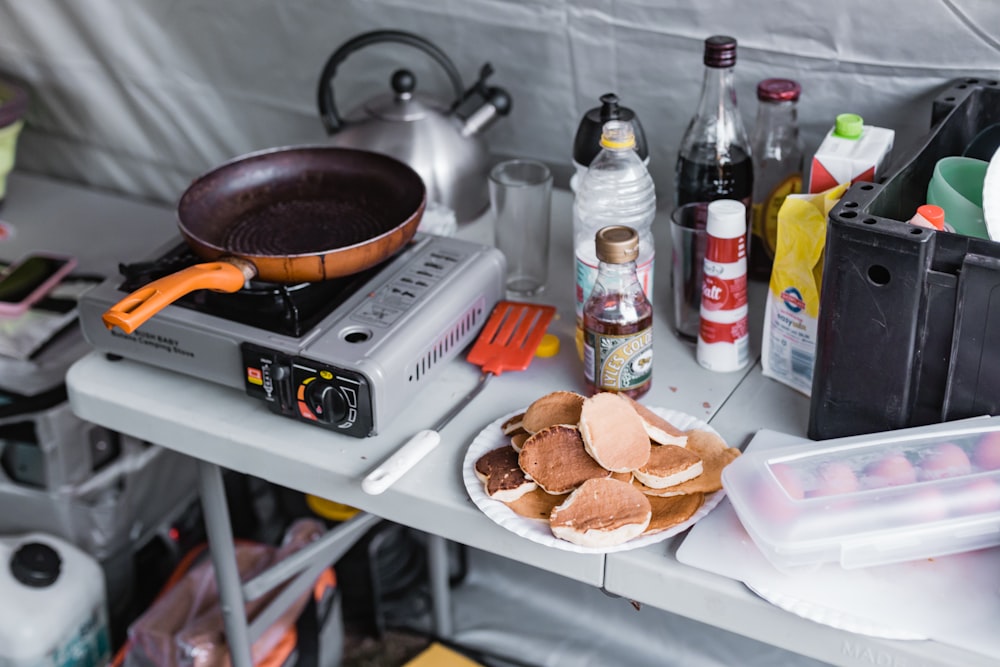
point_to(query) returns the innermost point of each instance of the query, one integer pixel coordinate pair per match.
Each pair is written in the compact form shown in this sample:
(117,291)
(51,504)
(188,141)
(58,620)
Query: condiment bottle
(618,319)
(724,336)
(714,160)
(778,160)
(615,190)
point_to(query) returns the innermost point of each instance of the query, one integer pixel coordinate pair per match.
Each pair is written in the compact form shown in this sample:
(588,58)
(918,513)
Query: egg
(923,505)
(978,496)
(944,460)
(776,501)
(986,452)
(789,480)
(834,478)
(893,469)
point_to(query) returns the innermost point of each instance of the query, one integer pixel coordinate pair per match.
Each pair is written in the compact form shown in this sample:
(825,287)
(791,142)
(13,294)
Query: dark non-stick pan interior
(299,201)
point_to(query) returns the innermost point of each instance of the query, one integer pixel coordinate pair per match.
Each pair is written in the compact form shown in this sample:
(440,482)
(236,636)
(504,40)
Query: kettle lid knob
(403,82)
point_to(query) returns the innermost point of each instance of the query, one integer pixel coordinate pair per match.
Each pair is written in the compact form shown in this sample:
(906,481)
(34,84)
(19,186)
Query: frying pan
(285,215)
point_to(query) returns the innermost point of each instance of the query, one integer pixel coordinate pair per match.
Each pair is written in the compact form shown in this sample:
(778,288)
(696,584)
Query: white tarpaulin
(141,96)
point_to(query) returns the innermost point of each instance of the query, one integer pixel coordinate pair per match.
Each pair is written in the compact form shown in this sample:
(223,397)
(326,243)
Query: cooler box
(909,319)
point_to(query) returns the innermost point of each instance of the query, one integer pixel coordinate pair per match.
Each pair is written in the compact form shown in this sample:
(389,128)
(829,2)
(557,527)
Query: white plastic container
(872,499)
(52,605)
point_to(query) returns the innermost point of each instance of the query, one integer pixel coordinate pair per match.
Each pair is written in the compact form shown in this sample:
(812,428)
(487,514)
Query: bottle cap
(932,214)
(720,51)
(617,134)
(727,219)
(549,347)
(778,90)
(36,565)
(617,244)
(587,143)
(849,126)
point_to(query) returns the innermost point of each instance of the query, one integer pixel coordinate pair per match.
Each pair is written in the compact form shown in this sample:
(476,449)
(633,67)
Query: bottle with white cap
(724,335)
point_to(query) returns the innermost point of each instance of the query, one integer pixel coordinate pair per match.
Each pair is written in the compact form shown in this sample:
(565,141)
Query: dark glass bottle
(618,319)
(714,160)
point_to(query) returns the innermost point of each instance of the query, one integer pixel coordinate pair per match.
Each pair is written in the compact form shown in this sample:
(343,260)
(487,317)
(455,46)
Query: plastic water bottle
(616,190)
(724,335)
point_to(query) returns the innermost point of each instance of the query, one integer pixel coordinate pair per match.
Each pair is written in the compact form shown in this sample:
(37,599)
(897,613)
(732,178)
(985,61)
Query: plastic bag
(184,627)
(788,346)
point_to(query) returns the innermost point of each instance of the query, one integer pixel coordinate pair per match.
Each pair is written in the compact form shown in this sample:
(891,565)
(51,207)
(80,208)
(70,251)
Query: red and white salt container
(724,334)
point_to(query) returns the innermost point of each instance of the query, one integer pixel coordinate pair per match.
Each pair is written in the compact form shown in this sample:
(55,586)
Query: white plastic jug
(52,604)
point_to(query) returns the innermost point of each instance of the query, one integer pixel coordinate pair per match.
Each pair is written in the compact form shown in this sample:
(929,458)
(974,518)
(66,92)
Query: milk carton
(850,152)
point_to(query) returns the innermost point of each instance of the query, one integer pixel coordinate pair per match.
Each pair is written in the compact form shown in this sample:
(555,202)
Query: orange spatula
(507,342)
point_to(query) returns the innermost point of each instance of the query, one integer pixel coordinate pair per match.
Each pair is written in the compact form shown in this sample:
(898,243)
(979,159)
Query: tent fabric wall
(141,96)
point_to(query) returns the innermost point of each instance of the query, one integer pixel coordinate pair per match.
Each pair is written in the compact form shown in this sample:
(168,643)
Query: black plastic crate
(909,320)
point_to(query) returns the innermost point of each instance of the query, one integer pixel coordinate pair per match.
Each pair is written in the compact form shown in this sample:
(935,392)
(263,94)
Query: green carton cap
(849,126)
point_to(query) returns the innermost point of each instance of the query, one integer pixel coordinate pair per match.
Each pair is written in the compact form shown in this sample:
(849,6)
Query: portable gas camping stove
(347,354)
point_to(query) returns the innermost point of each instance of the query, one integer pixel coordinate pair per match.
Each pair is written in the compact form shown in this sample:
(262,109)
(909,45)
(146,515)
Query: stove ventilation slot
(455,337)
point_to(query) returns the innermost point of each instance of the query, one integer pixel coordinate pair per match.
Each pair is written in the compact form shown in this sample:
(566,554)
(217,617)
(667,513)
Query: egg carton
(874,499)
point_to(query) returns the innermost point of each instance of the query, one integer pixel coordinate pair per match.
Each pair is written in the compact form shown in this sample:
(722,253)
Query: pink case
(13,308)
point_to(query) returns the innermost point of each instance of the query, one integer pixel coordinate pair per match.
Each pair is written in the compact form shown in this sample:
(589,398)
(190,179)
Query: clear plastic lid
(875,499)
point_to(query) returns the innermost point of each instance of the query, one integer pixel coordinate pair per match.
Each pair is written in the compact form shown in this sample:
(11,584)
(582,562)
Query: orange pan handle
(228,275)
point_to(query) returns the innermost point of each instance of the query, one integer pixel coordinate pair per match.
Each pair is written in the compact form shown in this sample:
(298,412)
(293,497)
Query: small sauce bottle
(618,319)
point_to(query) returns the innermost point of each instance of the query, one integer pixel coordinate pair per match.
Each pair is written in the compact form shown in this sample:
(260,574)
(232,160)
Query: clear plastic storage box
(872,499)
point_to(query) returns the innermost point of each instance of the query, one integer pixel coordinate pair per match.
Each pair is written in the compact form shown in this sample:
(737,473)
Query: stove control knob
(325,401)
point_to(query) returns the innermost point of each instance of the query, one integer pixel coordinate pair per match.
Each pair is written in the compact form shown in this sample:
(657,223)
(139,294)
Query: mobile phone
(29,279)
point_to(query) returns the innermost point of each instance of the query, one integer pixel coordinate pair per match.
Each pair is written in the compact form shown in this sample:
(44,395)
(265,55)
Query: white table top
(225,426)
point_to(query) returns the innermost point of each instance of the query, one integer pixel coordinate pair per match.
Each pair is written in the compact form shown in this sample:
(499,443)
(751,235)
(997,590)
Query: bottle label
(586,276)
(765,213)
(733,333)
(618,363)
(720,293)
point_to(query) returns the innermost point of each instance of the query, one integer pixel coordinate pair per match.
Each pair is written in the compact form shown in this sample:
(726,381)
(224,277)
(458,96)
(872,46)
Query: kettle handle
(327,106)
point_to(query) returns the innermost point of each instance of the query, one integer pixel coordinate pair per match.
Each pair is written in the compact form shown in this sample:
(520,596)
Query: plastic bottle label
(719,293)
(618,363)
(586,276)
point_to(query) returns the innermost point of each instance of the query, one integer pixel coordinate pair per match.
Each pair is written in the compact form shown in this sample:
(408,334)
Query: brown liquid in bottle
(593,321)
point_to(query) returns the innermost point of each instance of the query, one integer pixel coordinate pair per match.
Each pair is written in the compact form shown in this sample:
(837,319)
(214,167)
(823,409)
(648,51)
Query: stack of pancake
(602,470)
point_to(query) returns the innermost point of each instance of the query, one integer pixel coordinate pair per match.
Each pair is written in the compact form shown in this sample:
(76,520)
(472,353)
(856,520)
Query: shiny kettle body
(441,141)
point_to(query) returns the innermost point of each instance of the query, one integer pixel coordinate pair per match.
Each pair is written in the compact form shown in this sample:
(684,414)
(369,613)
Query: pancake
(517,439)
(557,461)
(513,424)
(670,512)
(668,465)
(657,428)
(715,456)
(536,504)
(613,432)
(601,513)
(557,407)
(501,475)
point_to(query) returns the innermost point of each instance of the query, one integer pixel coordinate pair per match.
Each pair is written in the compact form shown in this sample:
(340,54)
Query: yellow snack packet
(788,345)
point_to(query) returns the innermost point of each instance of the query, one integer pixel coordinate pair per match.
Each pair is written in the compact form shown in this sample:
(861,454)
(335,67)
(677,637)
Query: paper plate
(492,437)
(832,617)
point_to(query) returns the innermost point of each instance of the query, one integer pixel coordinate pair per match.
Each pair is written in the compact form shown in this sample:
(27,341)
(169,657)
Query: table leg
(223,552)
(437,573)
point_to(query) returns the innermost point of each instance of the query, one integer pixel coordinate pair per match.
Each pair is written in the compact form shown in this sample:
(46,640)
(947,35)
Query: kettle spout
(497,104)
(481,105)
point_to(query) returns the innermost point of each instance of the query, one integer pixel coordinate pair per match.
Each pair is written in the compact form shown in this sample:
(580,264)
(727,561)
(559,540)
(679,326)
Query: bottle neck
(717,120)
(617,277)
(772,113)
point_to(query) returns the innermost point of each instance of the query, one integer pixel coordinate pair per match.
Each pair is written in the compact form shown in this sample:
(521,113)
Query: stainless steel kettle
(441,141)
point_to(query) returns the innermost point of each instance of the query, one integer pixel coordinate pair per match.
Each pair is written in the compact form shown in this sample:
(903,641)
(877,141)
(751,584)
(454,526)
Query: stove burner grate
(290,310)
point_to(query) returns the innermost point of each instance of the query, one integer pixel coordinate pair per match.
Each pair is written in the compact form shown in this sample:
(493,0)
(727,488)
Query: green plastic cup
(957,186)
